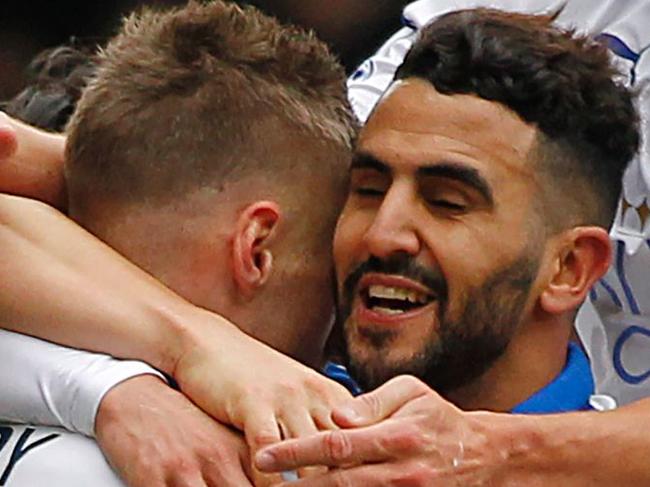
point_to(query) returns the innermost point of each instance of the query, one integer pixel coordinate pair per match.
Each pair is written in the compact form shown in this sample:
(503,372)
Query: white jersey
(40,456)
(615,325)
(43,383)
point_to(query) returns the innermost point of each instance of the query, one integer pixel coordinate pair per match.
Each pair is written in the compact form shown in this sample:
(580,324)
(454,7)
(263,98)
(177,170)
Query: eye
(369,191)
(448,205)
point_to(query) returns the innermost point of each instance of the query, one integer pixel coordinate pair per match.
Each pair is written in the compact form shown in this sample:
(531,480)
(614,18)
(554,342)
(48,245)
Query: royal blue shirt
(569,391)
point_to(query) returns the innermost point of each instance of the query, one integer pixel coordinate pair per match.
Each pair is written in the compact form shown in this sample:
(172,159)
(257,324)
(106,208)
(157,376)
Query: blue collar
(569,391)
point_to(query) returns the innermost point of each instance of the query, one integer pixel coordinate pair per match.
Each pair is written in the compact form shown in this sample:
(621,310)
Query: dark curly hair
(561,82)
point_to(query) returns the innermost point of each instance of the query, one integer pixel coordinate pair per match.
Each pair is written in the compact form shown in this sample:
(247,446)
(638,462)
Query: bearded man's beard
(460,349)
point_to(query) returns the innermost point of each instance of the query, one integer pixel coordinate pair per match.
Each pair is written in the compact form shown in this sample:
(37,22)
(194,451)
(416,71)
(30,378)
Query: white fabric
(44,383)
(616,327)
(51,457)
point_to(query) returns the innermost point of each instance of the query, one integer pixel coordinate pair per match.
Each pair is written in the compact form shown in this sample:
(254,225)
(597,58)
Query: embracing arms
(405,434)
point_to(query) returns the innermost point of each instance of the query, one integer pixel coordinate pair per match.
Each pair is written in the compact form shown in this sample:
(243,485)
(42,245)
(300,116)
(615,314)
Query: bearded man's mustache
(398,264)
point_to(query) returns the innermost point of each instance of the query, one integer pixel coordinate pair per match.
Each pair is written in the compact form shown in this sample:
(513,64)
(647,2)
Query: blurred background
(354,28)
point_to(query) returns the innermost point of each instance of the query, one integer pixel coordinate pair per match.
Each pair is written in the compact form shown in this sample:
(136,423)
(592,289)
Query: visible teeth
(390,292)
(387,311)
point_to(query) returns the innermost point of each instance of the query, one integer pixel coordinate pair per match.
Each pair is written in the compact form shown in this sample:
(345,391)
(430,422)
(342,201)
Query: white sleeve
(44,383)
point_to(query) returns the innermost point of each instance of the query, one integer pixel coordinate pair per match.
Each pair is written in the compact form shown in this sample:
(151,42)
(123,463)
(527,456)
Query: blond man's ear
(252,256)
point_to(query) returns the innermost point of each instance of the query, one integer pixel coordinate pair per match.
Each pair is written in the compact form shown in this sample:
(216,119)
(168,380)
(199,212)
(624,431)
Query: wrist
(126,397)
(537,450)
(186,330)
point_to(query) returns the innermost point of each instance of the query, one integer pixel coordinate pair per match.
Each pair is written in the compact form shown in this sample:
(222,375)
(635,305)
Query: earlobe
(582,259)
(251,252)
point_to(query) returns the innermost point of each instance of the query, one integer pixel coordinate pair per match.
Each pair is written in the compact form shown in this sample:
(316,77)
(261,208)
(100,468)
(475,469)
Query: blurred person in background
(56,78)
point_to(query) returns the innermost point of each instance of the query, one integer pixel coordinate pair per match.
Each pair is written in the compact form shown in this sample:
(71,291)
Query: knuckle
(413,383)
(264,438)
(314,383)
(183,468)
(338,446)
(289,390)
(413,436)
(372,403)
(340,479)
(291,454)
(325,390)
(214,454)
(414,475)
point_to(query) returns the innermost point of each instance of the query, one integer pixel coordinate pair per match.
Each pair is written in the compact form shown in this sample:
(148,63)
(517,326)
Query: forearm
(62,284)
(573,450)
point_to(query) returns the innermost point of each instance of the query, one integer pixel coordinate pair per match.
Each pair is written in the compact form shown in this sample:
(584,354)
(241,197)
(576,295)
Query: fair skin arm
(82,301)
(33,167)
(405,433)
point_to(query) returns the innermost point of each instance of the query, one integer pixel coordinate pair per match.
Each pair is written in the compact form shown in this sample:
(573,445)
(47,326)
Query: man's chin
(372,368)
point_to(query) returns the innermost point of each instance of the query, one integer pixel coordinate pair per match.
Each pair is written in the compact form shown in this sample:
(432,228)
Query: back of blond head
(193,96)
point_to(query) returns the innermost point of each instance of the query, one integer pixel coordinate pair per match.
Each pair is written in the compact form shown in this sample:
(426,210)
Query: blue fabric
(569,391)
(340,374)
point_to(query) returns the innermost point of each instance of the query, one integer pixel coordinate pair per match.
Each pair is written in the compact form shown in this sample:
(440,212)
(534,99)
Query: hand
(154,437)
(258,390)
(403,434)
(31,162)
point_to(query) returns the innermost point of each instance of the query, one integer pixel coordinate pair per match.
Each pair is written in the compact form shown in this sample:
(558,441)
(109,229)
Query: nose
(393,228)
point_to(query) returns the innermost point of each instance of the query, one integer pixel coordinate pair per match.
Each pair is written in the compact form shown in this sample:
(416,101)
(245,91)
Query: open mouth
(393,300)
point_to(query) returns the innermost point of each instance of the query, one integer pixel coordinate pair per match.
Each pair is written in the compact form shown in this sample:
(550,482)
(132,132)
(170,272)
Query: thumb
(379,404)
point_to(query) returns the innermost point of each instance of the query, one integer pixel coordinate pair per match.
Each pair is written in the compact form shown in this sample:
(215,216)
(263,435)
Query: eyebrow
(367,161)
(461,173)
(448,170)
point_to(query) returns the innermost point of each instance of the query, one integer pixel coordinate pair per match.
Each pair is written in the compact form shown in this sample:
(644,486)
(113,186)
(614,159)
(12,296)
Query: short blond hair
(187,96)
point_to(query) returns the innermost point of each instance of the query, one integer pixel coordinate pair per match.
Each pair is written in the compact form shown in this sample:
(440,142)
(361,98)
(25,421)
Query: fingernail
(265,460)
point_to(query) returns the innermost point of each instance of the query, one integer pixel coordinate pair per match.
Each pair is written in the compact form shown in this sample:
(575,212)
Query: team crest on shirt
(365,71)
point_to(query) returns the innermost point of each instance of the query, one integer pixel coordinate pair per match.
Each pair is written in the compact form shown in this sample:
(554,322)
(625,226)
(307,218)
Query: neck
(533,359)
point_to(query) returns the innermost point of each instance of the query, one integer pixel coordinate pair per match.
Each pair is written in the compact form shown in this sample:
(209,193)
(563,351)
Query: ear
(583,258)
(252,257)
